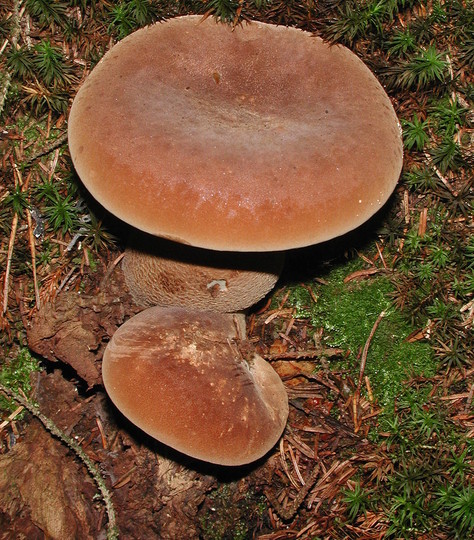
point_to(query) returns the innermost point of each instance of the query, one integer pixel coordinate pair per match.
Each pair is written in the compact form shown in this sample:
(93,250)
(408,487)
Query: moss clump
(348,311)
(16,375)
(231,515)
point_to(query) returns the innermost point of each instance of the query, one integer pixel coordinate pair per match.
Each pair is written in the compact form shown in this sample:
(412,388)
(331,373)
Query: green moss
(231,515)
(348,311)
(33,131)
(15,374)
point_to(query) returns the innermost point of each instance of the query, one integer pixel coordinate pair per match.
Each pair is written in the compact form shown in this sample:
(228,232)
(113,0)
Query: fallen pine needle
(358,274)
(33,259)
(469,399)
(363,361)
(6,283)
(295,465)
(12,416)
(286,513)
(365,351)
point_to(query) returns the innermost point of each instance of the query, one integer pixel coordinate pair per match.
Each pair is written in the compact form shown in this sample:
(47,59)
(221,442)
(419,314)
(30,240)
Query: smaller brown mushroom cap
(184,378)
(163,273)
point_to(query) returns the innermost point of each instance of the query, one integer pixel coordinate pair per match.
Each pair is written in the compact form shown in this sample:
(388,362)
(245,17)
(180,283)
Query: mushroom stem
(165,273)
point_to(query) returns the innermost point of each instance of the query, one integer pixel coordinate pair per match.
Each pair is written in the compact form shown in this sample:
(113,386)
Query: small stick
(423,221)
(310,525)
(47,148)
(443,179)
(65,280)
(365,351)
(112,529)
(54,163)
(363,361)
(102,434)
(124,479)
(277,313)
(6,282)
(469,399)
(366,259)
(14,40)
(110,269)
(311,292)
(288,513)
(4,46)
(284,299)
(381,256)
(12,416)
(23,185)
(369,389)
(290,326)
(406,206)
(33,258)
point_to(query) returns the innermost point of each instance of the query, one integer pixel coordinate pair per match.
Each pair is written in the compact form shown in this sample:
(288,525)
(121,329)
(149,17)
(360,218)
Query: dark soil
(46,492)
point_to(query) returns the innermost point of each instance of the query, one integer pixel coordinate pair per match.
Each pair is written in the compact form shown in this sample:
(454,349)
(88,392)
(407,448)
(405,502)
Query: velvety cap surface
(181,376)
(259,139)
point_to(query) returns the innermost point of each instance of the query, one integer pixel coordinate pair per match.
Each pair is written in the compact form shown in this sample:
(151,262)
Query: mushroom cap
(258,138)
(181,376)
(163,273)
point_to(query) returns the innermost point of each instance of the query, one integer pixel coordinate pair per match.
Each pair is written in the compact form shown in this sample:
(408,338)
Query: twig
(365,352)
(279,312)
(289,512)
(110,269)
(6,283)
(112,529)
(12,417)
(381,256)
(49,147)
(362,274)
(33,258)
(469,399)
(443,179)
(302,355)
(363,361)
(4,90)
(406,206)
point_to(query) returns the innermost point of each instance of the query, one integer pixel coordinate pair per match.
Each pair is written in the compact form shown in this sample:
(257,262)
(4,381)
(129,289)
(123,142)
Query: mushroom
(190,380)
(258,139)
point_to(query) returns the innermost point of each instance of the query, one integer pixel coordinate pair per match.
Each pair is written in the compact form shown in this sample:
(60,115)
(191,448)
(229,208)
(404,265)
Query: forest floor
(371,333)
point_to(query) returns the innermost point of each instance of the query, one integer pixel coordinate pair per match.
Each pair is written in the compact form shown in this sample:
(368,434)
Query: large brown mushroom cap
(260,138)
(182,377)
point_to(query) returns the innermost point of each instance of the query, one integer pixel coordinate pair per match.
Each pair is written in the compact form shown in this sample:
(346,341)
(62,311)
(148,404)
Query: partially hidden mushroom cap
(184,378)
(258,138)
(163,273)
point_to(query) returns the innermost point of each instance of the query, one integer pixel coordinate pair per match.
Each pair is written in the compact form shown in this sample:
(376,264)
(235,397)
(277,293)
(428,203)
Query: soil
(46,491)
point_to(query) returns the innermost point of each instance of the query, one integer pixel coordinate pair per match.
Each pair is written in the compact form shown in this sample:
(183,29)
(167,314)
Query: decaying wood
(74,328)
(47,494)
